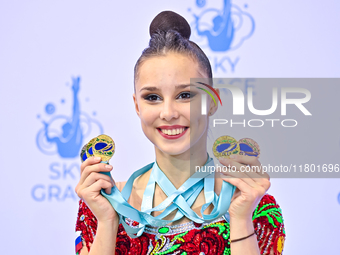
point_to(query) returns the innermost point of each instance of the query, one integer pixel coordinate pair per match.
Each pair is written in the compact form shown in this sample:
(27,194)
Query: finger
(238,170)
(259,191)
(89,161)
(93,177)
(234,166)
(246,160)
(242,176)
(247,164)
(239,184)
(107,186)
(256,183)
(95,188)
(90,180)
(99,167)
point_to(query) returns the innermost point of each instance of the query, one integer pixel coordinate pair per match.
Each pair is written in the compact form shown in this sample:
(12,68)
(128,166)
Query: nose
(169,110)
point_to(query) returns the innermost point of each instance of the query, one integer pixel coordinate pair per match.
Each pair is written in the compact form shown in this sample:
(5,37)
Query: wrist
(240,227)
(112,222)
(105,237)
(241,221)
(242,238)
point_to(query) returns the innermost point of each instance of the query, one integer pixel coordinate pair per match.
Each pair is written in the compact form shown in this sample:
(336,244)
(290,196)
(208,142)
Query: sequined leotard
(190,238)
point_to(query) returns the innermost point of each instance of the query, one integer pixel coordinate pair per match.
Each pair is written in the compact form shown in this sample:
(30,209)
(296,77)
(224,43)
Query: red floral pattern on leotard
(210,238)
(86,224)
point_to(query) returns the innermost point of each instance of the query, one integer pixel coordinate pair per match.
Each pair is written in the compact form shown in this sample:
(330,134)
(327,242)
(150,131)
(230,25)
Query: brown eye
(186,95)
(152,97)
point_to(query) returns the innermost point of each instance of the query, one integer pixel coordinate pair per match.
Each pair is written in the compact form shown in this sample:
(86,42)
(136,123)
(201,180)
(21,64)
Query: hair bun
(167,20)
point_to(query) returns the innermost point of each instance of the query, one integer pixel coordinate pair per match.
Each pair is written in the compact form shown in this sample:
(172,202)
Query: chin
(173,150)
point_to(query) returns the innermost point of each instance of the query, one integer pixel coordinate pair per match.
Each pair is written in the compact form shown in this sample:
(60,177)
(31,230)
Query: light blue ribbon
(181,199)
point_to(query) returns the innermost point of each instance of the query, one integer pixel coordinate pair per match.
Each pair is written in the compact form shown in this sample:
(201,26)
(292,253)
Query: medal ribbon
(181,199)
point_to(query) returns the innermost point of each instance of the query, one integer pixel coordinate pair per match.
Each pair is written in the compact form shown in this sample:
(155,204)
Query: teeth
(175,131)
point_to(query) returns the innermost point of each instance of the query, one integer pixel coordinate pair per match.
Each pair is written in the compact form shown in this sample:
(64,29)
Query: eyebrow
(181,86)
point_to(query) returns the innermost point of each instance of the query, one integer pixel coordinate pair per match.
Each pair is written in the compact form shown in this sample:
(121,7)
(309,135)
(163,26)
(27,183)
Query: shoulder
(120,185)
(268,211)
(269,225)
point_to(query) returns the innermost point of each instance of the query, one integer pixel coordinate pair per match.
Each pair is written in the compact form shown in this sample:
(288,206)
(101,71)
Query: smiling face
(166,103)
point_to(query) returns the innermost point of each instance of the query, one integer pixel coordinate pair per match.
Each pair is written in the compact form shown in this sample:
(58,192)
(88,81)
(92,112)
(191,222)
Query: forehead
(168,70)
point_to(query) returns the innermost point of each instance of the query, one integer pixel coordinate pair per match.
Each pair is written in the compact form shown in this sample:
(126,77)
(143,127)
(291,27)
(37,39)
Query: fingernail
(233,156)
(108,167)
(97,158)
(223,159)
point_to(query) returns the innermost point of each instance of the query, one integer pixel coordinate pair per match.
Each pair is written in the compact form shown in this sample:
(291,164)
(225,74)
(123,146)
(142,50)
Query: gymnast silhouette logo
(222,30)
(64,134)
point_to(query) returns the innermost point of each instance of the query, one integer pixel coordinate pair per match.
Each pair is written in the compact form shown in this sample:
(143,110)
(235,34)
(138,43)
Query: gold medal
(103,147)
(83,155)
(89,147)
(225,146)
(249,147)
(100,146)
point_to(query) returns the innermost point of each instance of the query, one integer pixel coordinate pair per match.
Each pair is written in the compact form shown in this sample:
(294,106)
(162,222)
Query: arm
(97,220)
(105,241)
(241,228)
(269,226)
(97,237)
(250,189)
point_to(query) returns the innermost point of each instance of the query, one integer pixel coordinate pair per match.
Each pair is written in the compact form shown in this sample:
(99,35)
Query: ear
(136,103)
(213,107)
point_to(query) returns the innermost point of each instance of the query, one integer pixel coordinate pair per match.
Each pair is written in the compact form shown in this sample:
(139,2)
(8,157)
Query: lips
(172,132)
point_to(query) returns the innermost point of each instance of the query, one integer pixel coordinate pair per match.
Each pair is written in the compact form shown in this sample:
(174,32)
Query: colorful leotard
(189,238)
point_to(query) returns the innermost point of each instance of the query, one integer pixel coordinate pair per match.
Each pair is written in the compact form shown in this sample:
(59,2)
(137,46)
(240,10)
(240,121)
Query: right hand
(90,184)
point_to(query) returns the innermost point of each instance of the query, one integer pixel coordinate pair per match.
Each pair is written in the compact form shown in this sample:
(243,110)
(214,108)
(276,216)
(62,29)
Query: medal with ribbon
(180,199)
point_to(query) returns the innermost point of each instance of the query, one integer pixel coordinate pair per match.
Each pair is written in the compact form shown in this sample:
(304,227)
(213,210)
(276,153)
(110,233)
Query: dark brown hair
(170,32)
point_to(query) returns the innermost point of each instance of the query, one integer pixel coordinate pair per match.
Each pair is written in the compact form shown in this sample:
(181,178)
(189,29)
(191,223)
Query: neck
(177,167)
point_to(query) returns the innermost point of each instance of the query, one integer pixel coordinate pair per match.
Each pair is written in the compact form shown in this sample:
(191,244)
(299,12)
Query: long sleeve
(86,226)
(269,226)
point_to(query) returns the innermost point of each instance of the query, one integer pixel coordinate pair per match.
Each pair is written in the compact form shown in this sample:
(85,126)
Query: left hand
(250,185)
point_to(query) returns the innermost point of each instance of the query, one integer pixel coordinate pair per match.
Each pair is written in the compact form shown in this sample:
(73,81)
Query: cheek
(185,111)
(147,115)
(203,122)
(196,108)
(195,113)
(198,122)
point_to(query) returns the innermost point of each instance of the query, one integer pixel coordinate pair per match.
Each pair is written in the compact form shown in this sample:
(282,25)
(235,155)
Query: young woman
(165,101)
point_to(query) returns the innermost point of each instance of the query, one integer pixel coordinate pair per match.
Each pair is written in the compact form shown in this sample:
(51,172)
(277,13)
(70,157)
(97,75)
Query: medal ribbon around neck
(181,198)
